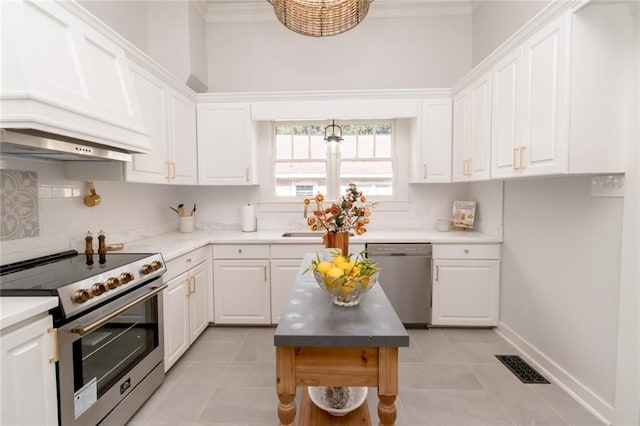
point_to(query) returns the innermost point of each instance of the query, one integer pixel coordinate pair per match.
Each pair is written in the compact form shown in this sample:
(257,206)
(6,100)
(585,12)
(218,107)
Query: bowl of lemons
(344,278)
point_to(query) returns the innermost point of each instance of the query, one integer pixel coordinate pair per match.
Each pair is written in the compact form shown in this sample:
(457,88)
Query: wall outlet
(607,186)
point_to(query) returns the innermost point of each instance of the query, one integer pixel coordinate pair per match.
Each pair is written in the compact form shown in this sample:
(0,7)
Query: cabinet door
(225,150)
(545,64)
(506,116)
(242,293)
(283,274)
(465,292)
(479,136)
(182,140)
(28,376)
(199,293)
(434,156)
(176,319)
(152,167)
(460,136)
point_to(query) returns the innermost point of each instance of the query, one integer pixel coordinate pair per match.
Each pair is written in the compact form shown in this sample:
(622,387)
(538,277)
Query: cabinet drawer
(183,263)
(240,251)
(294,251)
(466,251)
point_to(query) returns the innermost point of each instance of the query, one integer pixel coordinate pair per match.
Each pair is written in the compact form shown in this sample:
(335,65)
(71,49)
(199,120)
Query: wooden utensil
(93,199)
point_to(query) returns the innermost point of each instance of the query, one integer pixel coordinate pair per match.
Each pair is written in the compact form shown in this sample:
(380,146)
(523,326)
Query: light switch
(607,186)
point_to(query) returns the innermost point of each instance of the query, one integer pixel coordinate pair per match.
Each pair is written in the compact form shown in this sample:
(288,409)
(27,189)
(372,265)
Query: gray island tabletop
(310,318)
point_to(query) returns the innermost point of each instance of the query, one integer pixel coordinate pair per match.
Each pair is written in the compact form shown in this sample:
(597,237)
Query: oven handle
(96,324)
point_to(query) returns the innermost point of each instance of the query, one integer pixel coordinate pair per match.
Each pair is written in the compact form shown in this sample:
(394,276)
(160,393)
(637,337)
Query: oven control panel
(87,293)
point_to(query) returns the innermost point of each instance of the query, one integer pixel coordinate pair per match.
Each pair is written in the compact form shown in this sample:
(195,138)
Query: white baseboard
(558,375)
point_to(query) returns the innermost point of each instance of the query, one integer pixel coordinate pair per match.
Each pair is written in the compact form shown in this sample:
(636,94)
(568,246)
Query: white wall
(127,212)
(427,52)
(560,276)
(128,18)
(197,49)
(169,36)
(627,411)
(495,21)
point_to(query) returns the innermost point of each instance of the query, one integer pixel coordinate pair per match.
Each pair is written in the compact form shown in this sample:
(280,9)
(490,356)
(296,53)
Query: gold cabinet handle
(437,272)
(248,175)
(188,260)
(466,251)
(521,150)
(265,273)
(56,347)
(192,285)
(239,250)
(424,171)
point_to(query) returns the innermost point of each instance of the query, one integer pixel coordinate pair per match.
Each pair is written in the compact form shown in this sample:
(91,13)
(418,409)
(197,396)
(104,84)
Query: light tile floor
(446,377)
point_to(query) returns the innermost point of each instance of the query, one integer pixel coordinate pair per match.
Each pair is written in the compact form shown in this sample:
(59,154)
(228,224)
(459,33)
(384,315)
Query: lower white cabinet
(242,292)
(186,305)
(283,274)
(466,285)
(27,357)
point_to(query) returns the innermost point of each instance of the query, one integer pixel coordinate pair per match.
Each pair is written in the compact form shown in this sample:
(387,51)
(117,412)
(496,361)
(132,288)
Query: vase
(338,240)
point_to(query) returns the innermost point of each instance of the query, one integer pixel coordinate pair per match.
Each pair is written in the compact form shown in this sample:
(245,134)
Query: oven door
(107,355)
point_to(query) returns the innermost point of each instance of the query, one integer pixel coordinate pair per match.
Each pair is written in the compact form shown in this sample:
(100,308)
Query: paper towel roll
(248,220)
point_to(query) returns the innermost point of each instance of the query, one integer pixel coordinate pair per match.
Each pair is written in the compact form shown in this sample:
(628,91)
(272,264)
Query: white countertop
(174,244)
(16,309)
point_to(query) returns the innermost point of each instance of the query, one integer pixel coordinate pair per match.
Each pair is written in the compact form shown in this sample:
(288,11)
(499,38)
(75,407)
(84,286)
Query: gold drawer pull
(466,251)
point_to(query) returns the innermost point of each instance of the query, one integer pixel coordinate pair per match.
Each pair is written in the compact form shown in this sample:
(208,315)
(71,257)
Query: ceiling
(225,11)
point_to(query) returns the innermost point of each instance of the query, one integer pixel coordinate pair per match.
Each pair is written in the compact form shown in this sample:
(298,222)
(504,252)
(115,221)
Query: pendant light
(320,18)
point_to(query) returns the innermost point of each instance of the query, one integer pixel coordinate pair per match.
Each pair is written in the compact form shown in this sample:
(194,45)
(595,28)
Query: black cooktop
(43,275)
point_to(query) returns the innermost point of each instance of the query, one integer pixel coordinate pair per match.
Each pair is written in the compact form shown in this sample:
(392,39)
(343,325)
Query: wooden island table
(321,344)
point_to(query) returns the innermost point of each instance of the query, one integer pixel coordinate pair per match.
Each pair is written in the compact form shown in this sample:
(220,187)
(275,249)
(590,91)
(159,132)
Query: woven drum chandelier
(320,18)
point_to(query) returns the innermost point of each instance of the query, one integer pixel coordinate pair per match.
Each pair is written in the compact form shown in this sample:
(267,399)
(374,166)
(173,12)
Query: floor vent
(522,370)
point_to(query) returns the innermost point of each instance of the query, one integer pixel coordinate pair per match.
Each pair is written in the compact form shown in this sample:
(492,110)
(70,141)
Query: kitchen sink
(306,234)
(302,234)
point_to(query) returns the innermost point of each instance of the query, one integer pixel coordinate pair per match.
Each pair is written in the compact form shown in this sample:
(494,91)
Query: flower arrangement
(351,211)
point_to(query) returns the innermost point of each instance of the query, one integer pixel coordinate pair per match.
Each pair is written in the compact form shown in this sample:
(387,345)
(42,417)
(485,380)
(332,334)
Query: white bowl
(357,395)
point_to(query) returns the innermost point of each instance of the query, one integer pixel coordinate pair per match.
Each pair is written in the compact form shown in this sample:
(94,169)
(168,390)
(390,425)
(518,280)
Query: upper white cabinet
(60,74)
(432,144)
(170,120)
(560,95)
(529,116)
(27,358)
(472,131)
(225,144)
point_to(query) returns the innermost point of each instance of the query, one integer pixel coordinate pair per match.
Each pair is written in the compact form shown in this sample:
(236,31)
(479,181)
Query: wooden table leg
(387,385)
(286,384)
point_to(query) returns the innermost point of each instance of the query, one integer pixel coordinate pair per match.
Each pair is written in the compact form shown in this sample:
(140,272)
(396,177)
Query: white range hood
(61,75)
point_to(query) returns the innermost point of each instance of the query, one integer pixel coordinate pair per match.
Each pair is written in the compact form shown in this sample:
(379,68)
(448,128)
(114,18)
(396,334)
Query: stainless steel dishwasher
(405,277)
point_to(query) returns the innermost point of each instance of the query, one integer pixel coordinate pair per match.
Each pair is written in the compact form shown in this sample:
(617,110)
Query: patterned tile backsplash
(18,204)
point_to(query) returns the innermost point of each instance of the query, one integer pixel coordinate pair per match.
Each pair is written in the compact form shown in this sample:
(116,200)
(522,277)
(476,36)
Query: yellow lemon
(346,290)
(334,278)
(323,267)
(339,259)
(365,281)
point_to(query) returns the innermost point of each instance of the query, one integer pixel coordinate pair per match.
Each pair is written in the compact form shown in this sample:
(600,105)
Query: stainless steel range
(109,325)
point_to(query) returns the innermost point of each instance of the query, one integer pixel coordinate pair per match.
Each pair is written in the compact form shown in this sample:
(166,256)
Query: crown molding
(200,6)
(234,11)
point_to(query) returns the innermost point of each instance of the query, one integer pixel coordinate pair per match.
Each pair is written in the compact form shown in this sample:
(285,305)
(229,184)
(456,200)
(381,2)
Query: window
(306,164)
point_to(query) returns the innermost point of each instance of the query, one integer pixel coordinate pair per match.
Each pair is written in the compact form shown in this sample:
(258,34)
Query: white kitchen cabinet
(226,144)
(170,120)
(548,116)
(432,144)
(241,284)
(187,302)
(472,131)
(506,120)
(530,98)
(242,292)
(466,285)
(61,74)
(29,375)
(283,275)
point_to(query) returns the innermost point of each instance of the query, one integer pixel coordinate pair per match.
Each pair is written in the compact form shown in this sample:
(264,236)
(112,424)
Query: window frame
(293,199)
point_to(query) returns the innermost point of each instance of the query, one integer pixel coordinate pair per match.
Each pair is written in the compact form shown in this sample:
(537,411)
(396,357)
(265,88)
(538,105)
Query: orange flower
(307,201)
(363,199)
(311,221)
(360,231)
(319,197)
